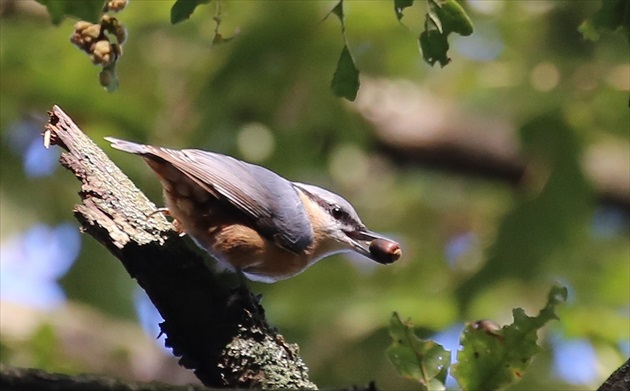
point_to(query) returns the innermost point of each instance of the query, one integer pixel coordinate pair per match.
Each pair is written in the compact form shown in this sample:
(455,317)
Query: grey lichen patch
(264,363)
(110,200)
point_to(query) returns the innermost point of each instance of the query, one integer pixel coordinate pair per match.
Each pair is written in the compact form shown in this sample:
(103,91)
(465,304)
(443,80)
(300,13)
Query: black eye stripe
(337,212)
(340,214)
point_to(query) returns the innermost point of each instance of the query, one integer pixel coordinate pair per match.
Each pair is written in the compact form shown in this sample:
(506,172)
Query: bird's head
(340,223)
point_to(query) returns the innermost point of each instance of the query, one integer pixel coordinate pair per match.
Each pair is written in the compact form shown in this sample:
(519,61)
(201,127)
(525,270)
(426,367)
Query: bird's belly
(260,259)
(234,244)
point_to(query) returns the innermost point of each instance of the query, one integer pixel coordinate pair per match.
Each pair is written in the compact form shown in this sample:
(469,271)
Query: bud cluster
(103,41)
(115,5)
(91,38)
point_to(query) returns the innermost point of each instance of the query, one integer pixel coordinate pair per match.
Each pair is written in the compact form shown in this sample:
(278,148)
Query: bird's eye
(337,212)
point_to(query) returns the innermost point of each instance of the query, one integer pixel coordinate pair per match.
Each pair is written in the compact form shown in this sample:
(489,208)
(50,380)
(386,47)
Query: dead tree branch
(618,380)
(219,332)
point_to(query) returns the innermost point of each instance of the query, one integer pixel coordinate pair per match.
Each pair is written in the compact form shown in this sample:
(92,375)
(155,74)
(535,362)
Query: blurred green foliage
(613,15)
(526,62)
(88,10)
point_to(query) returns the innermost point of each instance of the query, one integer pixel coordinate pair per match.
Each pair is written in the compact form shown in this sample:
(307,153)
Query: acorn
(385,251)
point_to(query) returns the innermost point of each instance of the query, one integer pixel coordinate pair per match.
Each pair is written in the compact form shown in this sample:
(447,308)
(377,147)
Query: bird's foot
(165,212)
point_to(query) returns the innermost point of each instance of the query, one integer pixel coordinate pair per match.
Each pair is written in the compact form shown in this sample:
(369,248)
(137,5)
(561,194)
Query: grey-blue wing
(268,199)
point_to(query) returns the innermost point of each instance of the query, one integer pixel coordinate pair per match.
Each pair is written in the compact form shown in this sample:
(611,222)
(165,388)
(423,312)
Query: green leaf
(444,17)
(345,82)
(423,361)
(108,78)
(44,345)
(182,9)
(89,10)
(494,359)
(434,47)
(613,15)
(589,31)
(452,17)
(400,5)
(338,10)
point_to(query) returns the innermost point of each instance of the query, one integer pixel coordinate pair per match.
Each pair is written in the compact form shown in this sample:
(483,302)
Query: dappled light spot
(619,77)
(255,142)
(497,74)
(348,165)
(586,77)
(545,77)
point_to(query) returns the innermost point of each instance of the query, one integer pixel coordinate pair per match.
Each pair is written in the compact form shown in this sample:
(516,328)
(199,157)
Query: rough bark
(619,380)
(218,331)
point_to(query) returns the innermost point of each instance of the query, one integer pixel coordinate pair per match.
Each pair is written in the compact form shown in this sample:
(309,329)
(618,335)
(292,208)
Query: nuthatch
(253,220)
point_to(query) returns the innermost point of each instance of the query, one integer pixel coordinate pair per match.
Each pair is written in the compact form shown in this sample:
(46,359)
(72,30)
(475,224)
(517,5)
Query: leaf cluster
(490,357)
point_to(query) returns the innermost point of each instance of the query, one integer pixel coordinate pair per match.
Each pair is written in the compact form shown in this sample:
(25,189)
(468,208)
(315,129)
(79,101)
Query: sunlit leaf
(182,9)
(494,359)
(400,5)
(423,361)
(443,17)
(345,82)
(613,15)
(88,10)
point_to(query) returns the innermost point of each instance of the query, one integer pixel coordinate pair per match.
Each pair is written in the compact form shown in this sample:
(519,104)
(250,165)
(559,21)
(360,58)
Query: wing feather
(268,199)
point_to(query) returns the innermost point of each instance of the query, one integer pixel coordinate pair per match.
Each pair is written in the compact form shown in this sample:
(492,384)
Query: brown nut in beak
(385,251)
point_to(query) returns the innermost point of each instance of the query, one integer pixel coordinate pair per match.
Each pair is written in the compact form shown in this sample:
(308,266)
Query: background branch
(413,127)
(22,379)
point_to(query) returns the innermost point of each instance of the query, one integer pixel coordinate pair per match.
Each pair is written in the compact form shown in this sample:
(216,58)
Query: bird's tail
(129,146)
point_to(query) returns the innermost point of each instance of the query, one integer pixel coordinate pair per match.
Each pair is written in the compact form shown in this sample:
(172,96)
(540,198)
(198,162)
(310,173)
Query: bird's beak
(374,246)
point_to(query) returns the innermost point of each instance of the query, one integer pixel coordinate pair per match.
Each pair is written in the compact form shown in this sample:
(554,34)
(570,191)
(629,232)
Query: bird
(252,220)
